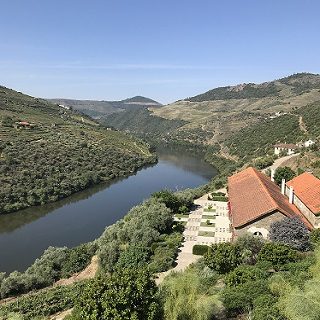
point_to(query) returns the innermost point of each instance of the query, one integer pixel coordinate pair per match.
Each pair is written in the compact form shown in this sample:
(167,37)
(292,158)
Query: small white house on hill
(289,149)
(309,143)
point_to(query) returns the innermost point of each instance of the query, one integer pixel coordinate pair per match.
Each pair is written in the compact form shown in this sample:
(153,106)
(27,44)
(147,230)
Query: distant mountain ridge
(293,84)
(101,108)
(229,119)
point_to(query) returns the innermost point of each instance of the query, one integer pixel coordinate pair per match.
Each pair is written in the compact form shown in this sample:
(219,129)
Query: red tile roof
(24,123)
(253,195)
(286,146)
(307,188)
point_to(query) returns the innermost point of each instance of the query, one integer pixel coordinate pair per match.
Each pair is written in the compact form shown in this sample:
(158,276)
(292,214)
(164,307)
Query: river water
(82,217)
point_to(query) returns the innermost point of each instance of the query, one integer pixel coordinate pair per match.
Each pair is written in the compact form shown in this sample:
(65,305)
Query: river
(82,217)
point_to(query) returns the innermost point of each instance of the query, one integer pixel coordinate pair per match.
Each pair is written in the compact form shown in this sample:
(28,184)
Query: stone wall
(315,221)
(260,225)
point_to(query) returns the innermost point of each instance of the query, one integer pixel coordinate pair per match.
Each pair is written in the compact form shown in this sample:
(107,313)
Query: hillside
(48,152)
(224,115)
(294,84)
(238,123)
(98,109)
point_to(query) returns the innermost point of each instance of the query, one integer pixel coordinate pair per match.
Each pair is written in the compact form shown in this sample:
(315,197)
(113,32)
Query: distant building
(309,143)
(64,107)
(24,124)
(255,202)
(304,192)
(289,149)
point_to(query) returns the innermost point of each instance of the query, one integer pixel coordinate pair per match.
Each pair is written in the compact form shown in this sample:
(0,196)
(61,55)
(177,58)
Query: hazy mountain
(98,109)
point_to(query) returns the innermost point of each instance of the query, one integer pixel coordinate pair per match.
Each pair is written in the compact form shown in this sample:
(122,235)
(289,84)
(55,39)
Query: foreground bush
(200,250)
(54,264)
(125,295)
(277,254)
(223,257)
(187,295)
(292,232)
(44,303)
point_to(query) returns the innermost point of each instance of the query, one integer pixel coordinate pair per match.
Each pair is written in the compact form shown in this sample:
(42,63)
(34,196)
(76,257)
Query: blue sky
(166,50)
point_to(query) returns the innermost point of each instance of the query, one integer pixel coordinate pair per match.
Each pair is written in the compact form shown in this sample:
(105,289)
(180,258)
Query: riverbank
(83,216)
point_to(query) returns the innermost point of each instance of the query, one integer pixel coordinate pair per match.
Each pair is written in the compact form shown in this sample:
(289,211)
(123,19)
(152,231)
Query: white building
(289,149)
(309,143)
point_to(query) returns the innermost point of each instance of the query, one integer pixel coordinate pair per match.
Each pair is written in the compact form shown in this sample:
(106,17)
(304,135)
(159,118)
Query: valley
(49,153)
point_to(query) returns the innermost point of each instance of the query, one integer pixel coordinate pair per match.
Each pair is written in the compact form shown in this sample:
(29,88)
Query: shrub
(283,173)
(292,232)
(265,308)
(249,246)
(222,257)
(315,236)
(172,201)
(277,254)
(186,295)
(126,295)
(243,274)
(200,250)
(133,257)
(239,299)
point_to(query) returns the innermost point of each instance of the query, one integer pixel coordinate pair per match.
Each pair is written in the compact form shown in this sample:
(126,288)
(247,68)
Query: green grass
(204,224)
(206,233)
(205,216)
(209,210)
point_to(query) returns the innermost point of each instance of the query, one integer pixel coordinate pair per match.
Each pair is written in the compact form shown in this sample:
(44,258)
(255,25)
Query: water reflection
(83,216)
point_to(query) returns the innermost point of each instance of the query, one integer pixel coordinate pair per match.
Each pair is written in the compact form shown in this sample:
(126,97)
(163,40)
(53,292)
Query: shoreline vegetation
(48,153)
(250,278)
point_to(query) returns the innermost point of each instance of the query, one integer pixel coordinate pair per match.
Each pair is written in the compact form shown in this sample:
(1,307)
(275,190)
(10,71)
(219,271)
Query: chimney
(283,186)
(272,175)
(291,195)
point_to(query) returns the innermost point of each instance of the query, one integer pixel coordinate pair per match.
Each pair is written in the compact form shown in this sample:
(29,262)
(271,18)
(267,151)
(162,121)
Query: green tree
(133,257)
(277,254)
(222,257)
(243,274)
(249,246)
(283,173)
(124,295)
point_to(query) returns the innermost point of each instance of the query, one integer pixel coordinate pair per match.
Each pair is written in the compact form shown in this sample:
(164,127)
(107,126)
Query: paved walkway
(220,228)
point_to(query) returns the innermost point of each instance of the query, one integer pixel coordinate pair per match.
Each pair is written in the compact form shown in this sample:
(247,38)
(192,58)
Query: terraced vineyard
(48,152)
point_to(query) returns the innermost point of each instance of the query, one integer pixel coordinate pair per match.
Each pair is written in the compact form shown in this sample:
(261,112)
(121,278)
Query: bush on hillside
(223,257)
(292,232)
(277,254)
(200,250)
(283,173)
(315,237)
(243,274)
(249,246)
(126,295)
(172,201)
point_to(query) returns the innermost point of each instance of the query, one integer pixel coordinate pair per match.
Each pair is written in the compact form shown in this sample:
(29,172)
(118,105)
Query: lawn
(206,233)
(204,224)
(205,216)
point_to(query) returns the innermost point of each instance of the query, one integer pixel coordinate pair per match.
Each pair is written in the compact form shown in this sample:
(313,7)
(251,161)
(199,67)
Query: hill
(291,85)
(99,109)
(238,123)
(48,152)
